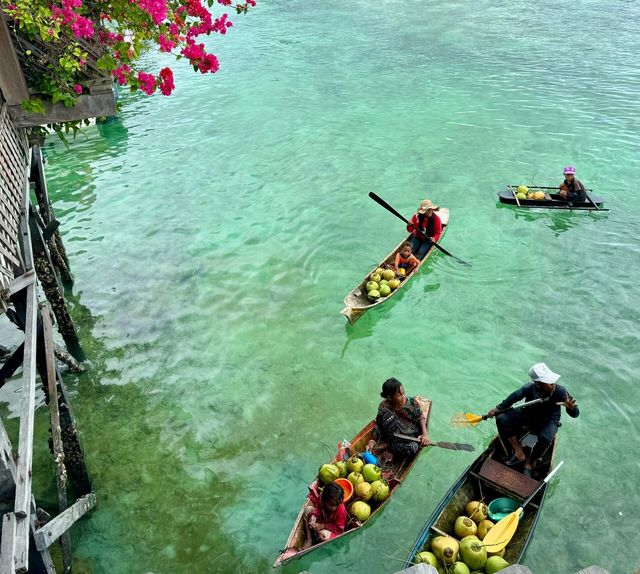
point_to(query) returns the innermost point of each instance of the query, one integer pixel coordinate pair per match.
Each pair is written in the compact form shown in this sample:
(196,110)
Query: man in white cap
(541,419)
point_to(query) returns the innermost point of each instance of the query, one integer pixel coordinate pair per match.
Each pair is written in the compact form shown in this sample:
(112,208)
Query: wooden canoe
(487,479)
(393,474)
(551,200)
(356,302)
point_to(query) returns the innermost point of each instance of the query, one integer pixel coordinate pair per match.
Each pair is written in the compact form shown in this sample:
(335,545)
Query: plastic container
(346,486)
(369,458)
(501,507)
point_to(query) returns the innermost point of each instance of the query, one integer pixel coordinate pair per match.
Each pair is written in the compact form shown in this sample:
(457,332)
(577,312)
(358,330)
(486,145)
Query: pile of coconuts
(463,553)
(368,485)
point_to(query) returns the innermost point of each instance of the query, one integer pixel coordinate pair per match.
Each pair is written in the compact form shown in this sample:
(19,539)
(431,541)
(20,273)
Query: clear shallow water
(214,234)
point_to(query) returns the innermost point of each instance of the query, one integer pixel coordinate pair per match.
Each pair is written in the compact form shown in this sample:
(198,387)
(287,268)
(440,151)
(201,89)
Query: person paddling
(426,228)
(542,419)
(571,189)
(397,413)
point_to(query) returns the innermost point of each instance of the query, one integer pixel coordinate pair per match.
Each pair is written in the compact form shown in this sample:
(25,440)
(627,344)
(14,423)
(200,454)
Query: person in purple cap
(542,419)
(571,189)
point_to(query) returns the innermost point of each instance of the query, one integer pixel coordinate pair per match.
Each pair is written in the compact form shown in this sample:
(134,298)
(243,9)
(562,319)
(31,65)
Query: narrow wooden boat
(487,479)
(551,200)
(393,473)
(357,302)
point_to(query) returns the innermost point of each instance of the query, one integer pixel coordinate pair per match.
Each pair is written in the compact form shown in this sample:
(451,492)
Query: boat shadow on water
(365,326)
(556,220)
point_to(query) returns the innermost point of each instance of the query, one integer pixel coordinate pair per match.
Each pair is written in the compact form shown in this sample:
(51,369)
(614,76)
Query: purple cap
(569,170)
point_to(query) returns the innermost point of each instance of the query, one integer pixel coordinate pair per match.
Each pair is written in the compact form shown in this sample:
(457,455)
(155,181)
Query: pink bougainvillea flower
(121,74)
(78,88)
(166,81)
(166,44)
(147,83)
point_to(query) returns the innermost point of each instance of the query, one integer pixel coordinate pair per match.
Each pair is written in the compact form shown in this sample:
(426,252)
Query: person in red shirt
(425,227)
(405,260)
(326,516)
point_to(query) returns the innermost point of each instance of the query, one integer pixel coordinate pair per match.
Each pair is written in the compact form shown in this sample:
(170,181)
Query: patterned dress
(403,421)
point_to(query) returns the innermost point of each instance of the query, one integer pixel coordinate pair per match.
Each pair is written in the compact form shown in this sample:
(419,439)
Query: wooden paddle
(384,204)
(470,418)
(449,445)
(516,196)
(592,202)
(501,534)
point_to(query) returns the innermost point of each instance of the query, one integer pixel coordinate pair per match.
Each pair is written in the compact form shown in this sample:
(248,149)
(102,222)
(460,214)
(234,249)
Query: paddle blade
(466,419)
(454,445)
(501,534)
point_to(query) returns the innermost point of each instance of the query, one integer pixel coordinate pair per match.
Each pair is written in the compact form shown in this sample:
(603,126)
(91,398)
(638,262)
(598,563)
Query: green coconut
(445,548)
(361,510)
(328,473)
(375,277)
(385,290)
(373,295)
(372,286)
(380,490)
(495,564)
(388,274)
(342,467)
(380,271)
(427,558)
(363,491)
(484,527)
(522,189)
(477,511)
(355,478)
(459,568)
(521,195)
(371,472)
(354,464)
(464,526)
(473,554)
(501,553)
(394,284)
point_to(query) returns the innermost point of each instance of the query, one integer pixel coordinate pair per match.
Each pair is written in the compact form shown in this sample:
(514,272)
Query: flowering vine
(123,29)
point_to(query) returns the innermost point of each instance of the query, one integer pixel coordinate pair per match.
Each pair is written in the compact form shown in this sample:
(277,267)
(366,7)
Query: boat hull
(356,302)
(551,201)
(485,479)
(394,474)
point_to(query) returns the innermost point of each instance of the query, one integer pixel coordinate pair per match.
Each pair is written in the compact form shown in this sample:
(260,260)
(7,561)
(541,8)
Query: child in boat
(326,516)
(571,189)
(405,260)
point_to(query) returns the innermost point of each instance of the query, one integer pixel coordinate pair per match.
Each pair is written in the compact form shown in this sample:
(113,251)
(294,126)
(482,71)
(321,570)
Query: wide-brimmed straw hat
(543,374)
(427,204)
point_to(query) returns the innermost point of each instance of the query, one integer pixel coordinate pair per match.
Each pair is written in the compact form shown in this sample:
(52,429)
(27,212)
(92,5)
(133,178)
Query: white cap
(543,374)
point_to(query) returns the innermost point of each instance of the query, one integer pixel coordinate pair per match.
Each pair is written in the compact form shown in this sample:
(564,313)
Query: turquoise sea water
(214,234)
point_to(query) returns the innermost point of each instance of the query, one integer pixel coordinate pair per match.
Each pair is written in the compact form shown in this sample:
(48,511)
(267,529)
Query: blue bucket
(501,507)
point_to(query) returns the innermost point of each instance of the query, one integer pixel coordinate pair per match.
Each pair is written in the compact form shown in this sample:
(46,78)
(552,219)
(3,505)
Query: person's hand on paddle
(424,440)
(492,413)
(568,403)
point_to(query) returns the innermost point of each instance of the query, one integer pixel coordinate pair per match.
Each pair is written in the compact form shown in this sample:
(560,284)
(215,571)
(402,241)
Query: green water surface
(214,234)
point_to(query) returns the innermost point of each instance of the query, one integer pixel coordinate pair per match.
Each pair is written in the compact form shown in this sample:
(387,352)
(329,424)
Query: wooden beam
(19,283)
(25,447)
(27,405)
(12,82)
(56,434)
(7,459)
(87,106)
(7,548)
(52,530)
